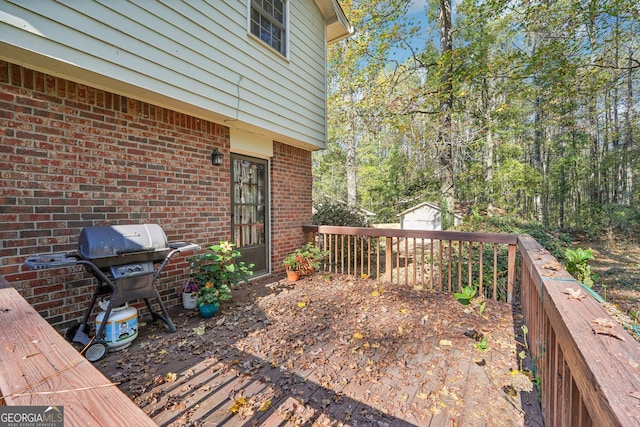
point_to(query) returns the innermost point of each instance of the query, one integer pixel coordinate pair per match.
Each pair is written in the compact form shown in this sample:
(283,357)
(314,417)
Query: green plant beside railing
(577,264)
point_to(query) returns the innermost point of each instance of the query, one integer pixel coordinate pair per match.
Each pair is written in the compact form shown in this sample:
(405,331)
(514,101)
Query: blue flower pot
(208,310)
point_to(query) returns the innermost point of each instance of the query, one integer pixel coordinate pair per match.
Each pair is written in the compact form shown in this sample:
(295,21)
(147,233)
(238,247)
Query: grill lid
(112,241)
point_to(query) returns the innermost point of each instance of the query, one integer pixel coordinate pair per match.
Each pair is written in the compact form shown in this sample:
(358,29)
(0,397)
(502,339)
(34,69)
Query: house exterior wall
(76,156)
(193,57)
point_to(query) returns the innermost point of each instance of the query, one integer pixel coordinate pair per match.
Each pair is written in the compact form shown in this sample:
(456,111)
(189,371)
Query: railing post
(309,237)
(388,267)
(511,272)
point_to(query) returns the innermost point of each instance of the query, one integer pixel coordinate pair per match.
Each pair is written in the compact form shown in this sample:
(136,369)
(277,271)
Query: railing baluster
(397,269)
(406,261)
(480,257)
(459,266)
(389,259)
(495,271)
(449,263)
(431,265)
(470,266)
(511,272)
(440,265)
(422,282)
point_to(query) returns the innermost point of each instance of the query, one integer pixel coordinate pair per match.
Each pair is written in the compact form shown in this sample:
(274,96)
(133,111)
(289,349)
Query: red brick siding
(290,199)
(74,156)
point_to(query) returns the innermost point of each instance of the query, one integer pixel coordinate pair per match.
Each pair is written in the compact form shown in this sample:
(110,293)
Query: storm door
(250,217)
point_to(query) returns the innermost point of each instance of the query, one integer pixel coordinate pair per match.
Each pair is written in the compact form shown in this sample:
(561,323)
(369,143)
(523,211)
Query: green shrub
(336,213)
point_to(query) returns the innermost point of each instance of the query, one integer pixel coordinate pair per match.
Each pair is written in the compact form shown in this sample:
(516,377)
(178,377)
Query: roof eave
(338,26)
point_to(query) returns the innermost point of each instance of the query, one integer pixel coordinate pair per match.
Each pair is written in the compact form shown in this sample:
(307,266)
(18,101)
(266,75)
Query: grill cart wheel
(95,351)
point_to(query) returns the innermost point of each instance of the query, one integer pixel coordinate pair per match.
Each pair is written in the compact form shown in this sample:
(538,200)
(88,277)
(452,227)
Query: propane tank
(122,326)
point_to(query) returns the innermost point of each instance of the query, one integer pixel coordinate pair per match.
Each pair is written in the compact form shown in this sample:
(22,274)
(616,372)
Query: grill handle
(184,246)
(175,248)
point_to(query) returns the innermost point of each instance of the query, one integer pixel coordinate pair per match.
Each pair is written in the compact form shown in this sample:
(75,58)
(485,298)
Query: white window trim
(286,30)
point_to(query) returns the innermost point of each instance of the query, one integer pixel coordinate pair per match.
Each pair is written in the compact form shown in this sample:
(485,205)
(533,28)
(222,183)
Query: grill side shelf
(55,260)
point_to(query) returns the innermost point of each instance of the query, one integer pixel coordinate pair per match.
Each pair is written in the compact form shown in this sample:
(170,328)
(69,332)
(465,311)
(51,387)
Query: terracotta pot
(293,276)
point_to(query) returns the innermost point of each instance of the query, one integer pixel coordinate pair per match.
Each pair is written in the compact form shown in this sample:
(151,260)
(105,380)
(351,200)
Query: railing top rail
(510,239)
(605,367)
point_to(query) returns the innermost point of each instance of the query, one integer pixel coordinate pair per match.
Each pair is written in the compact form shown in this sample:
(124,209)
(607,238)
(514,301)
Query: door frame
(267,207)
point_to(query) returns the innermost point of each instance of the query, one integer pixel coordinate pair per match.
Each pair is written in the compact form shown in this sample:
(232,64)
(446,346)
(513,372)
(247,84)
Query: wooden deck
(330,351)
(39,368)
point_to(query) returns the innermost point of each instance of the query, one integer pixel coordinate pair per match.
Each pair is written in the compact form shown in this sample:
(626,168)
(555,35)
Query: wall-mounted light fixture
(216,157)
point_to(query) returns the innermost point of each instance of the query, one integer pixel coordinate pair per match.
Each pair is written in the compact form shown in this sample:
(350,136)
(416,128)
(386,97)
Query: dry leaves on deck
(323,342)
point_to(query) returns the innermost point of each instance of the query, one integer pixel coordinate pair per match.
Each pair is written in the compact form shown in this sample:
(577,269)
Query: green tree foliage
(544,111)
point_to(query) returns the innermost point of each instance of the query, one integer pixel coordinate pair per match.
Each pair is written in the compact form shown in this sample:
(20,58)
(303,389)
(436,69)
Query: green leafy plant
(216,271)
(305,259)
(293,261)
(481,345)
(522,355)
(577,264)
(483,305)
(467,294)
(525,331)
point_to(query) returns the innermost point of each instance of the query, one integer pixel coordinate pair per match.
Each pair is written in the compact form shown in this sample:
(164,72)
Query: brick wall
(73,156)
(291,200)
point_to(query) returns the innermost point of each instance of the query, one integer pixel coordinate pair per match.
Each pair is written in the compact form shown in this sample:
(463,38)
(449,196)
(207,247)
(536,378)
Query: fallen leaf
(237,404)
(575,294)
(404,311)
(265,405)
(446,343)
(171,377)
(553,265)
(199,330)
(364,276)
(302,304)
(424,319)
(422,396)
(603,326)
(375,294)
(357,336)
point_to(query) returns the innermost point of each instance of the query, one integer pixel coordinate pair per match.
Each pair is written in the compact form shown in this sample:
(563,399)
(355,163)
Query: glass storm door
(249,218)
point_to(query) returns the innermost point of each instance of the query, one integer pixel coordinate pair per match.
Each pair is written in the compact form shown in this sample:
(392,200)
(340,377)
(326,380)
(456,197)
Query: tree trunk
(447,183)
(628,140)
(350,149)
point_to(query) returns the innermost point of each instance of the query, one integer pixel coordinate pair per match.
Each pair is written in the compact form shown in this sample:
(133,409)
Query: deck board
(323,353)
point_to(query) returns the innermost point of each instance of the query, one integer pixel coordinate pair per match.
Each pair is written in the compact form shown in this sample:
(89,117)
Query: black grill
(123,259)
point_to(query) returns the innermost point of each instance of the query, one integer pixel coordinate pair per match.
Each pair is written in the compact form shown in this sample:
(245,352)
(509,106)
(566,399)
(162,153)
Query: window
(268,23)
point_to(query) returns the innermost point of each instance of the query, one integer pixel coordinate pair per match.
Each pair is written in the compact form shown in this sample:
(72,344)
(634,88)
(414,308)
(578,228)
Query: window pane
(267,22)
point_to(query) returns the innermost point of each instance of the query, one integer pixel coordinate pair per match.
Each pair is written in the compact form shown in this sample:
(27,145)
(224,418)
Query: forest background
(528,106)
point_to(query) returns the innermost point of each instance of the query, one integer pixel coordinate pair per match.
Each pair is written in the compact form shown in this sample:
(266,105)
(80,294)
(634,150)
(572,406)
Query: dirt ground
(617,265)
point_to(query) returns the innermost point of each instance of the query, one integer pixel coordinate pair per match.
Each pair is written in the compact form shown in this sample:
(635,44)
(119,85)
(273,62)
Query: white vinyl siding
(194,56)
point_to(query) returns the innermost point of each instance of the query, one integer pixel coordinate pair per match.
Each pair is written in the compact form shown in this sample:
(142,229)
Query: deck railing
(435,260)
(586,366)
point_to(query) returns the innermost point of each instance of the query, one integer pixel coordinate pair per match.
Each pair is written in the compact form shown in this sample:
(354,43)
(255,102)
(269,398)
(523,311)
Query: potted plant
(303,260)
(217,271)
(292,264)
(312,257)
(189,292)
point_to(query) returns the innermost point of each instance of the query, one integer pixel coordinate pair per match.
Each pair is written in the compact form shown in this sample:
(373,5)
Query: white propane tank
(121,328)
